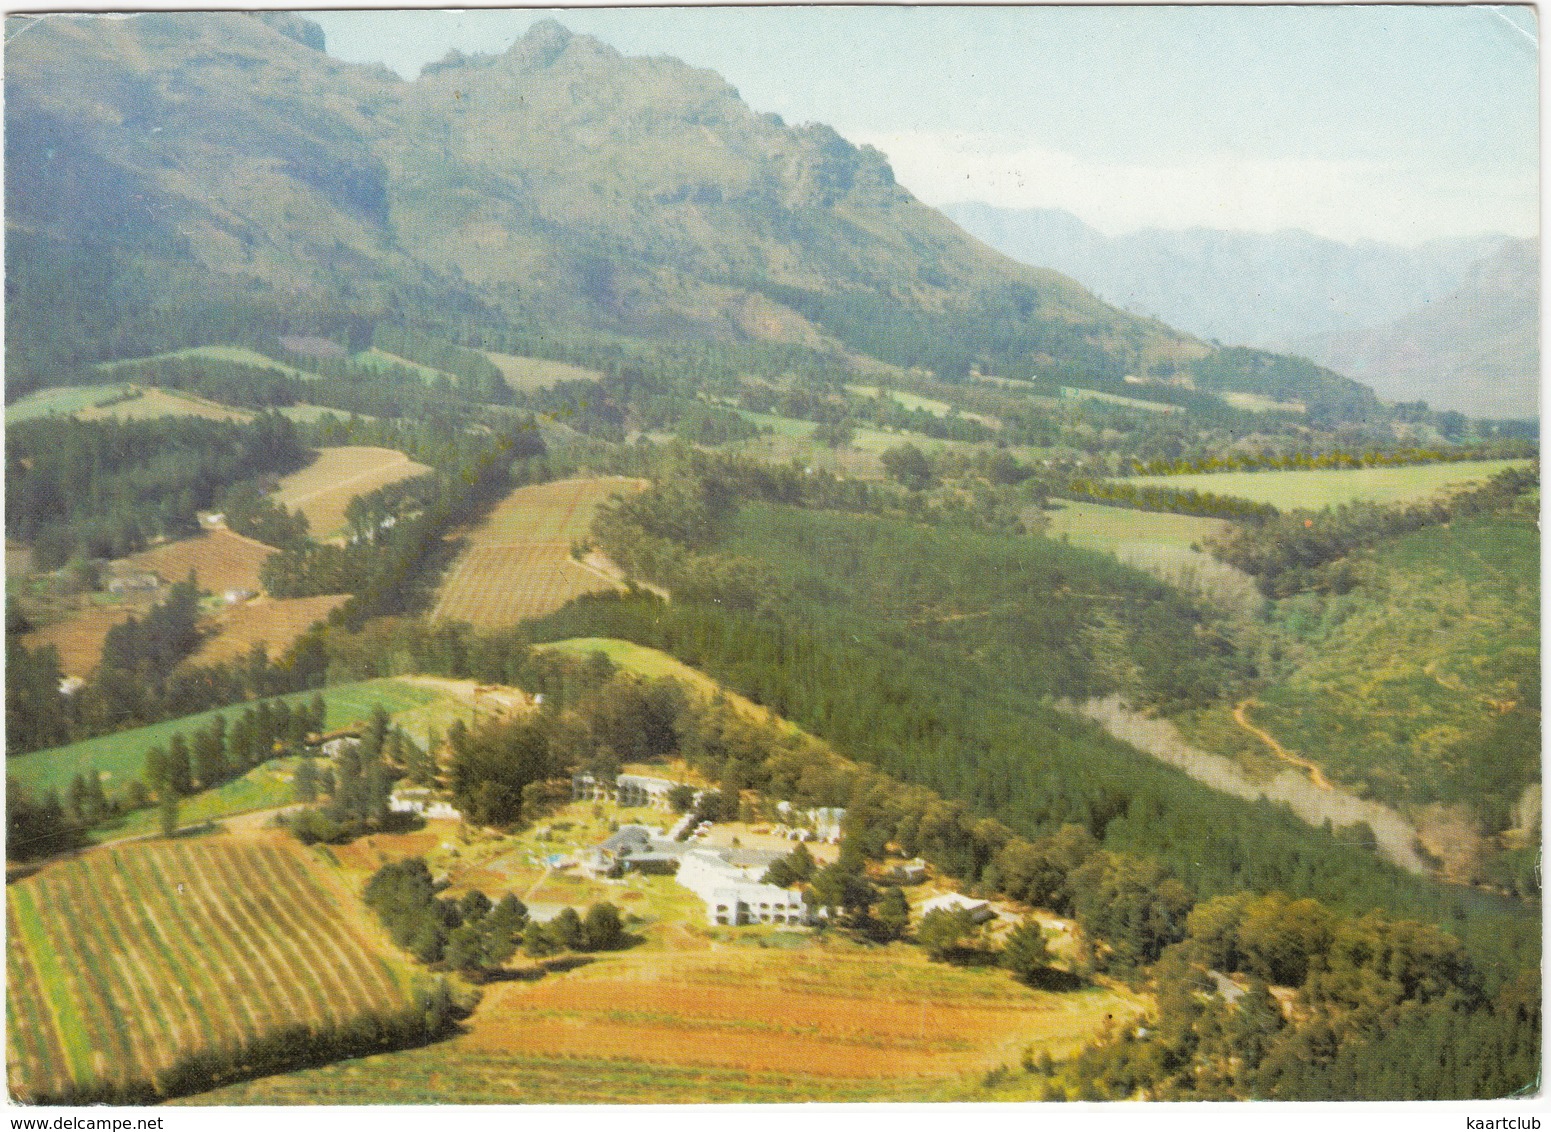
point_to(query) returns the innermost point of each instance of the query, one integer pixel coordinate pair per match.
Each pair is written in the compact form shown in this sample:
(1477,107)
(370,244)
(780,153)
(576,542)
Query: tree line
(1306,551)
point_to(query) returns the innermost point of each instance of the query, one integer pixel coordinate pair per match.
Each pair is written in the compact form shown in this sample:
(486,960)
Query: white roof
(950,901)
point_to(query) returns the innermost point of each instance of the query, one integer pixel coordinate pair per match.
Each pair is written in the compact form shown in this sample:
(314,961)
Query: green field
(266,787)
(1115,399)
(1099,527)
(237,354)
(60,401)
(1318,488)
(120,756)
(529,374)
(307,414)
(380,360)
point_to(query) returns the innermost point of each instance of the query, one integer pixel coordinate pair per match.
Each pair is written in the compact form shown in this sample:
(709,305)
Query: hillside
(216,160)
(1272,289)
(1474,350)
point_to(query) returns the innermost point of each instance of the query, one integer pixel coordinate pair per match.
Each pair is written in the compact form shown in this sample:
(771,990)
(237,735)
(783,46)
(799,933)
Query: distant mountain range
(1453,321)
(178,158)
(1475,350)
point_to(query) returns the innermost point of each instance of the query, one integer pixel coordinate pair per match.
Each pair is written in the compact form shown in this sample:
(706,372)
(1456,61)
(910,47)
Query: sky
(1401,123)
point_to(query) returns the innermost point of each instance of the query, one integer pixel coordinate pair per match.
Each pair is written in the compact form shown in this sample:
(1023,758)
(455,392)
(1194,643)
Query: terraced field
(323,489)
(122,961)
(518,561)
(797,1020)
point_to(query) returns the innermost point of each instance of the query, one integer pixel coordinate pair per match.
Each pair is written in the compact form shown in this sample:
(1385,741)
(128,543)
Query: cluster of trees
(468,934)
(601,929)
(1309,551)
(1386,1009)
(38,827)
(133,693)
(104,489)
(1119,493)
(358,786)
(472,936)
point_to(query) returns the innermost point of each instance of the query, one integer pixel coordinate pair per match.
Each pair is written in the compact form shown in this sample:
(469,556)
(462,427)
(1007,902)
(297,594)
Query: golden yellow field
(221,560)
(517,563)
(272,622)
(125,959)
(323,489)
(79,637)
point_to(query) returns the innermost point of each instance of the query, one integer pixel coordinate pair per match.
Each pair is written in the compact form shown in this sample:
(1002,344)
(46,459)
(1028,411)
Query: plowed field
(125,959)
(221,560)
(742,1023)
(272,622)
(518,562)
(323,489)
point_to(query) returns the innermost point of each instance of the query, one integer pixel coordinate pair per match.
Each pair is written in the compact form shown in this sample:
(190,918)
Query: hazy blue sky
(1396,123)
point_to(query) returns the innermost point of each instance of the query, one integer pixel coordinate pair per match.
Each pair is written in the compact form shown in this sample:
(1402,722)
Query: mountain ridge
(176,162)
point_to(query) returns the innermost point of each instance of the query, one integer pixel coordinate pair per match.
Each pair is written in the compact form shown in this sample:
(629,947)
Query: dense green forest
(93,489)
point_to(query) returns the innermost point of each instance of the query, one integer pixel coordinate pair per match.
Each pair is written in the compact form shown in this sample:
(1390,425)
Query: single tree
(1026,953)
(168,814)
(893,914)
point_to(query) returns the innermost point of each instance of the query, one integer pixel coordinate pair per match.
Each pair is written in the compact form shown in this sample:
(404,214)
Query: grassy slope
(1319,488)
(1404,685)
(119,756)
(1098,527)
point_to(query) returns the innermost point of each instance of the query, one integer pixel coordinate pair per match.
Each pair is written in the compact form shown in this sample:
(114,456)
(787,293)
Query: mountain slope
(1476,350)
(173,158)
(1245,288)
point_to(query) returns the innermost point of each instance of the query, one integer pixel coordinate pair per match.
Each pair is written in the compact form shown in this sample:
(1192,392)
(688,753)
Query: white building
(636,848)
(729,884)
(626,789)
(422,802)
(979,910)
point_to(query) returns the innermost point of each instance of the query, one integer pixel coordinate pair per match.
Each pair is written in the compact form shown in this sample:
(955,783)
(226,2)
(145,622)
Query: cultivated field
(122,961)
(272,622)
(151,402)
(221,560)
(79,636)
(916,401)
(62,401)
(517,563)
(237,354)
(1099,527)
(1115,399)
(1319,488)
(381,360)
(323,489)
(121,756)
(774,1017)
(528,374)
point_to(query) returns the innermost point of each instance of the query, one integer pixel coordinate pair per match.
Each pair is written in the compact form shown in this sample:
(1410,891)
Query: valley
(539,582)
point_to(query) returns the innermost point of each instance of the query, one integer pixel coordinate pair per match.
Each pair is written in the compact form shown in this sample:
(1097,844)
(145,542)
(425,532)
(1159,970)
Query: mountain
(1272,290)
(217,168)
(1475,350)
